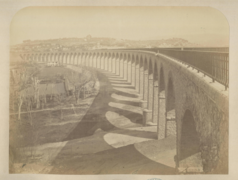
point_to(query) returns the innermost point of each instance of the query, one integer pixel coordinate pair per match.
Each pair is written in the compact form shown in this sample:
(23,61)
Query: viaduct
(178,88)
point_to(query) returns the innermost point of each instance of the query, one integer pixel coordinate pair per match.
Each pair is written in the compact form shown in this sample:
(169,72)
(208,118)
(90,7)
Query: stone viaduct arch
(172,97)
(189,136)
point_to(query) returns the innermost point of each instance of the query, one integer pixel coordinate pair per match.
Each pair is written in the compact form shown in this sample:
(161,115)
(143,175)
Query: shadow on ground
(93,155)
(124,160)
(95,117)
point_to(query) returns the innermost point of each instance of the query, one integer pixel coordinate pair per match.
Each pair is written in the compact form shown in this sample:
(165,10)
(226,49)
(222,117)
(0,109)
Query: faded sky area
(202,25)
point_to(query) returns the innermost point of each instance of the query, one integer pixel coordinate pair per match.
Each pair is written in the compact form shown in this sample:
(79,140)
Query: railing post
(212,64)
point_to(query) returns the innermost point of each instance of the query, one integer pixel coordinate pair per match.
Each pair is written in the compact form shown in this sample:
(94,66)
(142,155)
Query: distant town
(91,43)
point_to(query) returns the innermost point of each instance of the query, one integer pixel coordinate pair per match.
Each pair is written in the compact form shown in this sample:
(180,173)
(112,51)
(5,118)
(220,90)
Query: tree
(20,102)
(44,94)
(19,91)
(74,80)
(35,83)
(29,107)
(93,78)
(51,94)
(77,94)
(59,98)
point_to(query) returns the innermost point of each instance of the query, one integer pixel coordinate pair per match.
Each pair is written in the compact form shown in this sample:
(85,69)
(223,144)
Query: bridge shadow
(130,87)
(115,79)
(125,94)
(112,161)
(132,103)
(95,117)
(124,83)
(96,156)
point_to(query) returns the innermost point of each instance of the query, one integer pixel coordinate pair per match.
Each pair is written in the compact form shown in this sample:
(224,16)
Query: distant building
(27,41)
(88,37)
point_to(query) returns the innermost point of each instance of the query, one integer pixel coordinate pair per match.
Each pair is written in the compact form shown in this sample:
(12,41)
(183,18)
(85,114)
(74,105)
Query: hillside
(90,43)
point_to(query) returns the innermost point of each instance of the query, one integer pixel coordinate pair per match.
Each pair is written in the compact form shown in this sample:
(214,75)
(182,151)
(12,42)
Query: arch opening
(162,108)
(125,61)
(105,61)
(117,64)
(110,62)
(150,87)
(190,144)
(141,77)
(156,96)
(170,110)
(129,66)
(113,64)
(121,65)
(133,71)
(137,80)
(101,61)
(145,94)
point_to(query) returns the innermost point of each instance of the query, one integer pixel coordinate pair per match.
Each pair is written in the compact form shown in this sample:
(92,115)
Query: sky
(202,25)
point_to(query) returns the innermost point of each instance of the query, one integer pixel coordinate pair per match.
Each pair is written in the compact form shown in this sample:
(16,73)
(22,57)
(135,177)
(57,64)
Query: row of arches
(146,73)
(138,69)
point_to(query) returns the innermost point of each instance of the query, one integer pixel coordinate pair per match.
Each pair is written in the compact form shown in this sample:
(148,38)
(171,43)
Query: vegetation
(35,97)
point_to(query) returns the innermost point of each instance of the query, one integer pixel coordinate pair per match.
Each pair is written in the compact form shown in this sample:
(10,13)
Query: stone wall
(209,107)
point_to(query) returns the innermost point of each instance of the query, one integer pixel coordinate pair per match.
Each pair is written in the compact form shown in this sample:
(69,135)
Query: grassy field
(50,124)
(47,123)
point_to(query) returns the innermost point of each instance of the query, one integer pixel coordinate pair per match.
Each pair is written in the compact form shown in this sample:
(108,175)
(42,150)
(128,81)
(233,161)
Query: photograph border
(9,9)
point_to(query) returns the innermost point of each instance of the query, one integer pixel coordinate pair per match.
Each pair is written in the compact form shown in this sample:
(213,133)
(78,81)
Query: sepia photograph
(119,90)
